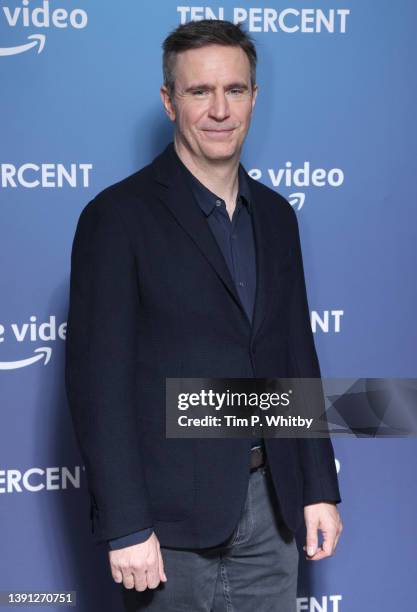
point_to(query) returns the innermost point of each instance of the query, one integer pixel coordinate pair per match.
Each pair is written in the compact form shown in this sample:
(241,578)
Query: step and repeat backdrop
(333,131)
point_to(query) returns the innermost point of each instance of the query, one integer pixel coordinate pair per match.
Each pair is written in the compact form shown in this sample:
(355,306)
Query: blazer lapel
(174,193)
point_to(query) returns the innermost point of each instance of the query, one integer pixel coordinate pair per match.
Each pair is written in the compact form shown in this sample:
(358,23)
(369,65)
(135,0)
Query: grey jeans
(255,569)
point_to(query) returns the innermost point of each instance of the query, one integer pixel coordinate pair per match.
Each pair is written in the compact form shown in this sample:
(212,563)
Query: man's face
(213,101)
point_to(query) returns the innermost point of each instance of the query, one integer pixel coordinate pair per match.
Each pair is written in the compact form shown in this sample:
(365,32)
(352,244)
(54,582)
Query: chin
(220,150)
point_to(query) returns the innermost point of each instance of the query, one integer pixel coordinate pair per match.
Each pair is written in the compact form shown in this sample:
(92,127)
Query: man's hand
(323,516)
(139,566)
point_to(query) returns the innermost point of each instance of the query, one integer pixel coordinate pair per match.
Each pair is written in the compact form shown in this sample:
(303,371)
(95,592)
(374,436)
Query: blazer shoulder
(120,196)
(129,187)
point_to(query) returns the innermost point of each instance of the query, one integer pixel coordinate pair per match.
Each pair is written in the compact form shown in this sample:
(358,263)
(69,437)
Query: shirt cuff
(137,537)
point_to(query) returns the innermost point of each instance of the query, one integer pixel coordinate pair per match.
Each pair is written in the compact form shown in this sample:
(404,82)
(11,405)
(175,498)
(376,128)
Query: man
(190,268)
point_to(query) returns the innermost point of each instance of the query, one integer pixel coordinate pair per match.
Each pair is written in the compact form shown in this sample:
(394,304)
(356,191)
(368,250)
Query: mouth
(218,134)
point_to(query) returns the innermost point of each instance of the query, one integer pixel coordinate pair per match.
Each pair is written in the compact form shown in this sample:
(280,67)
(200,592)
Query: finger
(328,544)
(162,574)
(318,555)
(152,574)
(311,539)
(117,575)
(140,579)
(337,538)
(325,550)
(152,582)
(128,580)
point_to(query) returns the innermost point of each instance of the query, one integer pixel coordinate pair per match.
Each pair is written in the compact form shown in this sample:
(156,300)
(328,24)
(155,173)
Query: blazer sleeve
(137,537)
(100,366)
(316,455)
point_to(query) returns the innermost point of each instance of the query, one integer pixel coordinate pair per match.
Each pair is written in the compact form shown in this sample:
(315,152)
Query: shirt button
(218,202)
(241,284)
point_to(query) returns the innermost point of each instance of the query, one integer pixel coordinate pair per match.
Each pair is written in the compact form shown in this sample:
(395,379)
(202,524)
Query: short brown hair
(197,34)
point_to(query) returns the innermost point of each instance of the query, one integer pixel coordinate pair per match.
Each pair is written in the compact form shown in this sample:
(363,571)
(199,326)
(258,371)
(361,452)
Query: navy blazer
(151,297)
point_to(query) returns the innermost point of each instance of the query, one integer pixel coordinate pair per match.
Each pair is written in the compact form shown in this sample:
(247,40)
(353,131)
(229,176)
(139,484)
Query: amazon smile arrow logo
(38,39)
(39,14)
(44,352)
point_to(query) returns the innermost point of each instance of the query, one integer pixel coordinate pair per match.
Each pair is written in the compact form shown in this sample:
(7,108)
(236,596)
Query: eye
(199,92)
(236,90)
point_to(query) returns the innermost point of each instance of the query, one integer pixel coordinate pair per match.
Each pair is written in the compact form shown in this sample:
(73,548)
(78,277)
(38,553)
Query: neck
(221,178)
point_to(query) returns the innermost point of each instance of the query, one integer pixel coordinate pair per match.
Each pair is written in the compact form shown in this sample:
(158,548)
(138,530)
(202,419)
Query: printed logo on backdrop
(261,19)
(326,321)
(55,478)
(37,479)
(28,333)
(325,603)
(38,18)
(52,331)
(302,177)
(46,175)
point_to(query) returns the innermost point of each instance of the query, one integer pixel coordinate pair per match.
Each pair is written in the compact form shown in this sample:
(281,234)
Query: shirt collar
(207,199)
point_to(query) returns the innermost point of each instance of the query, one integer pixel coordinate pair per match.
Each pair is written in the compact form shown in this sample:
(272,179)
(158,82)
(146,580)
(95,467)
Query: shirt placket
(231,229)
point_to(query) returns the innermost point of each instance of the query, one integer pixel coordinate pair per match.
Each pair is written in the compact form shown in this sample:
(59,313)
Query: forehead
(215,63)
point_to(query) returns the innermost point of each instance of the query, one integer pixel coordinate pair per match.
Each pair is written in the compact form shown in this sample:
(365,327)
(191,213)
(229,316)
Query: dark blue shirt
(236,241)
(234,236)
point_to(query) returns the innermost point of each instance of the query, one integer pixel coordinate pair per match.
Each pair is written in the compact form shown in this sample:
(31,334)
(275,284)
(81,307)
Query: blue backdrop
(334,131)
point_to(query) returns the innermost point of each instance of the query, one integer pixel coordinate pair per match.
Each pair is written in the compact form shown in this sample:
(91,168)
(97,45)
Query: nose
(219,107)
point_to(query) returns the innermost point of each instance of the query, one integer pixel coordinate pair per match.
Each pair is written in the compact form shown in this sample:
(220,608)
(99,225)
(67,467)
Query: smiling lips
(219,133)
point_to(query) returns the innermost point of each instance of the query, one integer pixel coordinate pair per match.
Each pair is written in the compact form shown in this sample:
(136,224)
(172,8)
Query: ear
(167,103)
(254,94)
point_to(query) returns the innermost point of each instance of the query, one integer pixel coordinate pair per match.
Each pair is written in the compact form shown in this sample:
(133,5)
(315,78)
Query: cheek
(190,115)
(243,113)
(242,120)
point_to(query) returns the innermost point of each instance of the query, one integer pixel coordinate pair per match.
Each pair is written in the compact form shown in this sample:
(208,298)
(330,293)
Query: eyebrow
(236,85)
